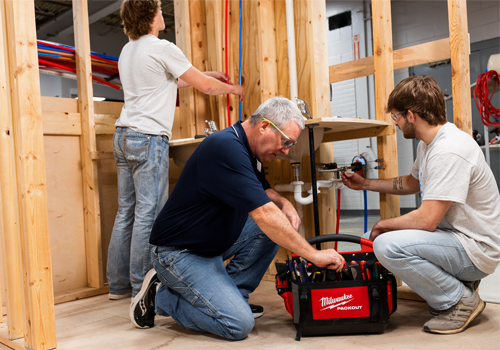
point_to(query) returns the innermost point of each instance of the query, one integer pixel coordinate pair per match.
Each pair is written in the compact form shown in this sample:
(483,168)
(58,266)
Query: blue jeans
(200,293)
(433,264)
(142,169)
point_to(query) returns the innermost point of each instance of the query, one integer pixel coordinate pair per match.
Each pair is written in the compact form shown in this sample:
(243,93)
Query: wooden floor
(98,323)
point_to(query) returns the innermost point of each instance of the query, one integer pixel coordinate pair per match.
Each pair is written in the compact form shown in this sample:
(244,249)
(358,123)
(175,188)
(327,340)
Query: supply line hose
(482,98)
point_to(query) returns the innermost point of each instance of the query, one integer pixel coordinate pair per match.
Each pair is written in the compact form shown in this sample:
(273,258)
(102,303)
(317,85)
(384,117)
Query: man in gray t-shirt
(446,246)
(151,71)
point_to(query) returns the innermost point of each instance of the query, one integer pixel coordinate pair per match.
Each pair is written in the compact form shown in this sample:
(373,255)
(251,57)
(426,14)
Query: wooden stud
(460,71)
(39,328)
(88,145)
(403,58)
(384,84)
(183,41)
(267,44)
(215,39)
(9,237)
(199,56)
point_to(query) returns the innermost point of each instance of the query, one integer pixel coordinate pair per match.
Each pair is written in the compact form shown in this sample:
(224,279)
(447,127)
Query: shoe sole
(476,313)
(139,296)
(257,314)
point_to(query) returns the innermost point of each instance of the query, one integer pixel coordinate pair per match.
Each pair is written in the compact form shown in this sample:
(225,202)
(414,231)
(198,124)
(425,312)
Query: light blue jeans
(200,293)
(142,169)
(433,264)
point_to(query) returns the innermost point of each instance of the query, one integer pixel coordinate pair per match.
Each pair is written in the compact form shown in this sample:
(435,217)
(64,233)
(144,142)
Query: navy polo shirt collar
(240,133)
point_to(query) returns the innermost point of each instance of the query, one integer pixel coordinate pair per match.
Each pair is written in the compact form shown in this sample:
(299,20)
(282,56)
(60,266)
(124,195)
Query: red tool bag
(360,299)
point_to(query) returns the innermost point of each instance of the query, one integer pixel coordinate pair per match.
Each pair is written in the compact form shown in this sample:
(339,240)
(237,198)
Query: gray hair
(280,111)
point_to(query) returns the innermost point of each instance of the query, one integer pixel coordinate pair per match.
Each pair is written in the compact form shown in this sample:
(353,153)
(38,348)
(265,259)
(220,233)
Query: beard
(408,130)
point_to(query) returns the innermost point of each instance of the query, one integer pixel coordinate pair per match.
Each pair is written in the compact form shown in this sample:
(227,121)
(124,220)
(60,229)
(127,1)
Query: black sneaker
(142,309)
(257,310)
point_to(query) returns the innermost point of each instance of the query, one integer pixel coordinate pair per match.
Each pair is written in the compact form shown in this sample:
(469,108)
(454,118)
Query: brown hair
(137,16)
(422,95)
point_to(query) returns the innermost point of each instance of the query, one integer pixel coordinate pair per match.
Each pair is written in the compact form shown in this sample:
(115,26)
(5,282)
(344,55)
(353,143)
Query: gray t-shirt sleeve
(447,178)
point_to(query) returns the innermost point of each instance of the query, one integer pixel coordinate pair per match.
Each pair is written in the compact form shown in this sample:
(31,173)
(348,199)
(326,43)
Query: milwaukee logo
(338,302)
(349,302)
(329,301)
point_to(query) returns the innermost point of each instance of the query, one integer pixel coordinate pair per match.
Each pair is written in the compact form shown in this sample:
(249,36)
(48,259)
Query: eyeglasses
(396,115)
(287,142)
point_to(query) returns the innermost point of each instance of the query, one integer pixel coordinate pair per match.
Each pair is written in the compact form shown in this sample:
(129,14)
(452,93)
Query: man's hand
(377,230)
(221,76)
(328,258)
(353,181)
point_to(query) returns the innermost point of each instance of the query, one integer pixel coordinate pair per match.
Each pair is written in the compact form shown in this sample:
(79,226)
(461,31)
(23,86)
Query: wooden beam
(199,55)
(183,41)
(9,226)
(460,71)
(39,328)
(384,84)
(266,30)
(214,22)
(88,145)
(79,293)
(403,58)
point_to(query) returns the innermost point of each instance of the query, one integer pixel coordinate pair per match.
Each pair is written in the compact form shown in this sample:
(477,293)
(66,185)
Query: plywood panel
(108,194)
(66,220)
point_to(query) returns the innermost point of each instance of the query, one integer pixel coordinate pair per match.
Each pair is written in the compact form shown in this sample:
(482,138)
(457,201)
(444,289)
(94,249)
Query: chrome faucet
(304,109)
(211,127)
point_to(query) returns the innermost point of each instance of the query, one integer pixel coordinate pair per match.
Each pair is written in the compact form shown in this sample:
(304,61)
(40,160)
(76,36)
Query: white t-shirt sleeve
(174,60)
(447,178)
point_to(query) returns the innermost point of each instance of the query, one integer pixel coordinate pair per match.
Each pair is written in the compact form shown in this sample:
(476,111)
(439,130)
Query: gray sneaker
(473,285)
(456,318)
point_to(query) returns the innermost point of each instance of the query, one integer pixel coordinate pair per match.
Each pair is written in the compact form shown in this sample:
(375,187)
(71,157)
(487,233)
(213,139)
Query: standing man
(444,248)
(222,207)
(151,70)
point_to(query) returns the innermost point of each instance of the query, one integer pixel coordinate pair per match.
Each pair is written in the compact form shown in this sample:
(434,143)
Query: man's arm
(210,83)
(276,226)
(399,185)
(427,218)
(286,207)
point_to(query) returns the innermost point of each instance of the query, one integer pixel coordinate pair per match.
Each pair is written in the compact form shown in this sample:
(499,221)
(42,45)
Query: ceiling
(54,17)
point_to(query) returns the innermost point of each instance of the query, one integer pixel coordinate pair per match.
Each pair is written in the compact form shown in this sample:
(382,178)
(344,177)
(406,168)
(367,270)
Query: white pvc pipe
(290,35)
(297,194)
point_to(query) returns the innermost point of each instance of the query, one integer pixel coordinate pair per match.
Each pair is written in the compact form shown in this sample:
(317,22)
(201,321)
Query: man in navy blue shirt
(222,207)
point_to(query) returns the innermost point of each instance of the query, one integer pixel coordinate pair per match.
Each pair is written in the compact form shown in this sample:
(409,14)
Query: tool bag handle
(366,244)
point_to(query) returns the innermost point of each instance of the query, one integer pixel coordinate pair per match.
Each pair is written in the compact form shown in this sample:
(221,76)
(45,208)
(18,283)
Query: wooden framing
(29,124)
(88,145)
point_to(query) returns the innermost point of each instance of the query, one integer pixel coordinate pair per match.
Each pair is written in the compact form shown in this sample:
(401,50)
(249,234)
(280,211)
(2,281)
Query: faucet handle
(211,127)
(304,109)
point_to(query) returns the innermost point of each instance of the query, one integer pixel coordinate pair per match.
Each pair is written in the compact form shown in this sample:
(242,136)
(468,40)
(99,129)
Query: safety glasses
(287,142)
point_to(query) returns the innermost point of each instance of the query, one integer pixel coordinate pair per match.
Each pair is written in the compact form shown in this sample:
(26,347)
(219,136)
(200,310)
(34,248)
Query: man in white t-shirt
(151,71)
(446,246)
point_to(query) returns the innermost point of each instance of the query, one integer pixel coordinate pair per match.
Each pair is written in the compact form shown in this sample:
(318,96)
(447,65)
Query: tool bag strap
(374,314)
(303,306)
